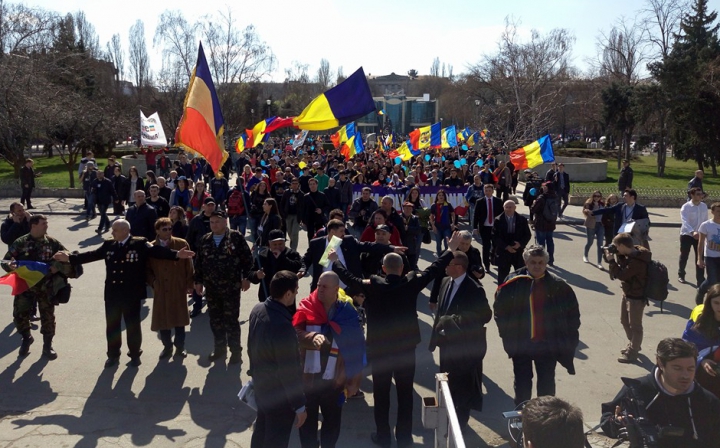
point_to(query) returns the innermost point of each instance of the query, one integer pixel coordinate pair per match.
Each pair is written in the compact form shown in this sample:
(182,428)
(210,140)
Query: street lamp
(268,102)
(477,112)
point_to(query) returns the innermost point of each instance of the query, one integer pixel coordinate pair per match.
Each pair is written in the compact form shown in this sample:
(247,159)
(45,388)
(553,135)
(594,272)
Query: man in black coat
(125,257)
(487,209)
(315,210)
(27,182)
(198,227)
(561,180)
(159,203)
(104,194)
(16,224)
(142,217)
(275,365)
(272,259)
(461,312)
(349,253)
(390,303)
(672,398)
(511,233)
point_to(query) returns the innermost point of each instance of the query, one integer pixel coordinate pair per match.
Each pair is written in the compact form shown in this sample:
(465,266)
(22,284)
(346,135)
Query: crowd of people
(182,229)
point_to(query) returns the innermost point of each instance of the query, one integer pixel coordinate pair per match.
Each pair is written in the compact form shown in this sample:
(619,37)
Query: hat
(208,200)
(382,227)
(219,213)
(276,235)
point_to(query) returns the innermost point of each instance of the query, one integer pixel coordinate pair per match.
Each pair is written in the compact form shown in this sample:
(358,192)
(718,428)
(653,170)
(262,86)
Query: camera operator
(666,408)
(549,422)
(629,263)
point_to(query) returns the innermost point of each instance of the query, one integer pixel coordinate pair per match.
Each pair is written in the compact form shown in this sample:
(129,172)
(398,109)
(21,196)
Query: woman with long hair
(197,200)
(359,179)
(380,217)
(247,173)
(414,197)
(150,179)
(593,226)
(257,199)
(270,221)
(442,220)
(135,183)
(608,219)
(179,223)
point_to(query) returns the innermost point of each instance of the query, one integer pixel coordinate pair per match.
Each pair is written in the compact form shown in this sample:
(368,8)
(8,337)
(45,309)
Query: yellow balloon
(302,165)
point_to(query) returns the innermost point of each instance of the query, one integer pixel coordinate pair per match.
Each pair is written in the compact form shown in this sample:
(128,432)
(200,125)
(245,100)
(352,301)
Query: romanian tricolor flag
(344,103)
(202,126)
(343,135)
(25,276)
(258,131)
(423,138)
(534,154)
(448,137)
(241,143)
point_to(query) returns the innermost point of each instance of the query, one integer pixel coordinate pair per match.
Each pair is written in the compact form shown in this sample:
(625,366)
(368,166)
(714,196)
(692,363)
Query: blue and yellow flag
(346,102)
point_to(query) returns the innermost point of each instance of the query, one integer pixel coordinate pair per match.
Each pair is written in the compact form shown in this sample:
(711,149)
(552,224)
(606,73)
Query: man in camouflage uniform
(223,266)
(34,246)
(125,262)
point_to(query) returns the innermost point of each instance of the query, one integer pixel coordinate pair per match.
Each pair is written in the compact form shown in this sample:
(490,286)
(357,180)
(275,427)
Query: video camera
(639,430)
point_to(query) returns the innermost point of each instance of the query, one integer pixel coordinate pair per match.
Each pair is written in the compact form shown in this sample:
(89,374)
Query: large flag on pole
(344,103)
(151,131)
(202,126)
(536,153)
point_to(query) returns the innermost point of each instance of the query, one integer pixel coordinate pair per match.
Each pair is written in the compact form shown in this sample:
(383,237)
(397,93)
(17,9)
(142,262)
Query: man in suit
(510,235)
(272,259)
(561,180)
(461,312)
(27,182)
(393,333)
(348,253)
(125,260)
(487,209)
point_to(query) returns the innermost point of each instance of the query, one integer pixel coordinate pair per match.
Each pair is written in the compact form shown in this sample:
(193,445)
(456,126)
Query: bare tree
(139,61)
(177,38)
(117,56)
(87,37)
(523,82)
(435,67)
(622,52)
(324,74)
(340,75)
(661,20)
(235,54)
(24,30)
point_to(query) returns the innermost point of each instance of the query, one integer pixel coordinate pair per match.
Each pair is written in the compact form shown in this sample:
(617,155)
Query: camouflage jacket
(228,263)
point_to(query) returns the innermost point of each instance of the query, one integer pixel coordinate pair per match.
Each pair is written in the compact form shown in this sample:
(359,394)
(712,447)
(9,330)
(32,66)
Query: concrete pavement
(73,401)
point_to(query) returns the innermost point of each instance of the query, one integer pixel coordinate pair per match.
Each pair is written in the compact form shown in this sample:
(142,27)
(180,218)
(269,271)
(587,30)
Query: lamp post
(477,113)
(268,102)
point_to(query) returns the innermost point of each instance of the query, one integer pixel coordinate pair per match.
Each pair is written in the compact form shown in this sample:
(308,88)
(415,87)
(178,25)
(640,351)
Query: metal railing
(653,193)
(438,413)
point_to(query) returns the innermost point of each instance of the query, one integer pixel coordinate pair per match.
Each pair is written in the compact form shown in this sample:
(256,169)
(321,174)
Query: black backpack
(551,210)
(656,286)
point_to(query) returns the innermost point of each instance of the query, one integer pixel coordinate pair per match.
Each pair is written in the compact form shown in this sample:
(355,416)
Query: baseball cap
(276,235)
(209,200)
(382,227)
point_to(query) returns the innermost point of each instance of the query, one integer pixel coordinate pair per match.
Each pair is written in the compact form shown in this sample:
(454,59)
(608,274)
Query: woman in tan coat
(171,281)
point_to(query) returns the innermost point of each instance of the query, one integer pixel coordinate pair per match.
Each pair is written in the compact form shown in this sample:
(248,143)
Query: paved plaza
(74,401)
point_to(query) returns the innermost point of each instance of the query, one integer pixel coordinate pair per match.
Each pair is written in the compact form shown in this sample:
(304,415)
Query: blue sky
(383,36)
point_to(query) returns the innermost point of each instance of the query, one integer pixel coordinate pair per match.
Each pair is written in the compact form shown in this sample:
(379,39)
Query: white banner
(151,131)
(299,139)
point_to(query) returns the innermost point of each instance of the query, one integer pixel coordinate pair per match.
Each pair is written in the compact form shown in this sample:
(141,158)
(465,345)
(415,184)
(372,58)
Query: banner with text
(455,196)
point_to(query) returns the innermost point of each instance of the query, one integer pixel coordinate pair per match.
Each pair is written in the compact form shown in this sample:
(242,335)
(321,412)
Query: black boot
(219,352)
(27,339)
(167,352)
(235,355)
(48,351)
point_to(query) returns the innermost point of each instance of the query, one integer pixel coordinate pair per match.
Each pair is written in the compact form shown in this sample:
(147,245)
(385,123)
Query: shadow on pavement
(27,392)
(580,281)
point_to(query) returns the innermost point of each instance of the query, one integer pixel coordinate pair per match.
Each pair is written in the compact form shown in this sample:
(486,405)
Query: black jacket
(122,187)
(292,203)
(351,249)
(274,222)
(561,318)
(12,230)
(390,304)
(104,191)
(312,220)
(27,177)
(333,196)
(666,410)
(161,206)
(288,260)
(566,180)
(361,221)
(198,227)
(125,266)
(501,238)
(275,358)
(542,224)
(142,221)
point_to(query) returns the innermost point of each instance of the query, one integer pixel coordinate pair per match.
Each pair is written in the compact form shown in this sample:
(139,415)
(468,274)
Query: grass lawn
(54,173)
(677,175)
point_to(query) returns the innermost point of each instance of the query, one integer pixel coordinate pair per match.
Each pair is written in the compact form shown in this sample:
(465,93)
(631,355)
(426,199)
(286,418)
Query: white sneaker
(600,266)
(585,260)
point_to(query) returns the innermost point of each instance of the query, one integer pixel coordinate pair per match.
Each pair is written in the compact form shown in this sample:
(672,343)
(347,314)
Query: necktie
(446,300)
(490,211)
